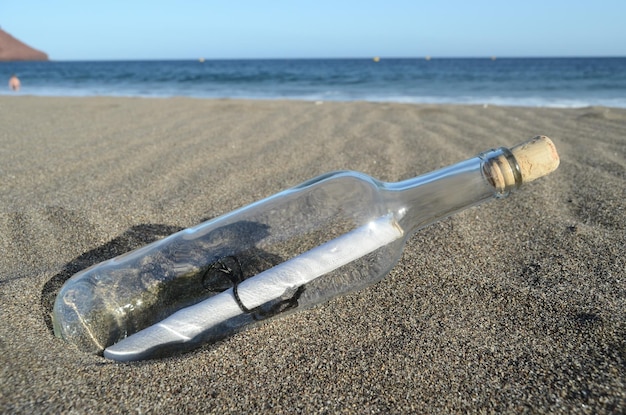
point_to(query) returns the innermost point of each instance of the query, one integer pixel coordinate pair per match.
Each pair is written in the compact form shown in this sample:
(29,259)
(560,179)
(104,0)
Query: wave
(336,96)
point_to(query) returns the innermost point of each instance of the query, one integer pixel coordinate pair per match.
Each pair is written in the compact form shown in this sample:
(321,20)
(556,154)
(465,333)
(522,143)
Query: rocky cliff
(11,49)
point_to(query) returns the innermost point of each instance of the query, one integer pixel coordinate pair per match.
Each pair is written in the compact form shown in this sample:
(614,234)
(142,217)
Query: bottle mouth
(75,319)
(501,170)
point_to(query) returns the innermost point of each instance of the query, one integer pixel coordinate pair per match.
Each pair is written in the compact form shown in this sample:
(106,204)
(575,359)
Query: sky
(191,29)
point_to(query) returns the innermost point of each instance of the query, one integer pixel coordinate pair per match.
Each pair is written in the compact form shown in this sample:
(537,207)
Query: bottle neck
(425,199)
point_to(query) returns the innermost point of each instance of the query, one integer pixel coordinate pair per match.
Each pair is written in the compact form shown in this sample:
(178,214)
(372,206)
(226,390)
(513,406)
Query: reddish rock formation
(12,49)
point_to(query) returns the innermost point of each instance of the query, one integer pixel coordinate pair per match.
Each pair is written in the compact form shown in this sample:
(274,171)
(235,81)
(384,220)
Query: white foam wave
(498,100)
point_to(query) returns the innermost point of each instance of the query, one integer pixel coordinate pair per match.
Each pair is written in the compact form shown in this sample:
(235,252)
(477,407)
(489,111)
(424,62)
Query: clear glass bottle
(336,233)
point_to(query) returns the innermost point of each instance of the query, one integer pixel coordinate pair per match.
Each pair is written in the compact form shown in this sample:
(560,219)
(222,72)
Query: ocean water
(543,82)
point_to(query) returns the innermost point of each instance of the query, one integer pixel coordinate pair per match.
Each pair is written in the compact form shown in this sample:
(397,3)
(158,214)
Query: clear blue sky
(181,29)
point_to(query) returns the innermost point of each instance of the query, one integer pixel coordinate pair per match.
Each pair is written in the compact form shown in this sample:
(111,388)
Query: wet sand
(517,305)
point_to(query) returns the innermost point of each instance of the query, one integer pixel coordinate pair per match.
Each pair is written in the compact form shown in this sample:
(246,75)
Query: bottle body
(105,303)
(337,233)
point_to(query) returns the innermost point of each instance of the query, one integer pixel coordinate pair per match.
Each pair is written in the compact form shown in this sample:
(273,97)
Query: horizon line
(369,58)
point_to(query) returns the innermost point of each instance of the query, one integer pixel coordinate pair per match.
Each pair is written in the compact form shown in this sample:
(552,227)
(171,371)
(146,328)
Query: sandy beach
(517,305)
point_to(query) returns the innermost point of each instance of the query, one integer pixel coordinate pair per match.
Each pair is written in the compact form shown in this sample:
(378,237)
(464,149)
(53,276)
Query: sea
(535,82)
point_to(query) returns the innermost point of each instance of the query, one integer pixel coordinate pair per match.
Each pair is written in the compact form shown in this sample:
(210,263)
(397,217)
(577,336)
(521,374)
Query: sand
(517,305)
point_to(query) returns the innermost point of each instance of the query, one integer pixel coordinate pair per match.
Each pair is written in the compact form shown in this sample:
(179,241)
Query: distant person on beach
(14,83)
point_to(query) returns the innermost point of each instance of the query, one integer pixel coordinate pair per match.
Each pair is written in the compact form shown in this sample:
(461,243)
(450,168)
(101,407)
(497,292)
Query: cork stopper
(536,158)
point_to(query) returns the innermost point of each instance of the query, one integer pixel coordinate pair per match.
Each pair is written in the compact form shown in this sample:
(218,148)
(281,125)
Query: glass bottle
(333,234)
